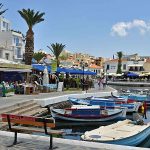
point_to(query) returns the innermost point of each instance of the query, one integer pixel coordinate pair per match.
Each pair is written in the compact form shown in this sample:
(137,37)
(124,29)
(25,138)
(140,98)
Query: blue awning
(40,67)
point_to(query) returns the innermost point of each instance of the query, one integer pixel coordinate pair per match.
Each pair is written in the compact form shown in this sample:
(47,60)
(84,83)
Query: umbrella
(45,76)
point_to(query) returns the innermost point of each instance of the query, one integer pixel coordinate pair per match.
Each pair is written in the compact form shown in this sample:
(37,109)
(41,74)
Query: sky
(100,28)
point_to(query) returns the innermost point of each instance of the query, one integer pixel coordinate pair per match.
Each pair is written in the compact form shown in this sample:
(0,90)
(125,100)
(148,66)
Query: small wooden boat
(106,103)
(122,133)
(87,113)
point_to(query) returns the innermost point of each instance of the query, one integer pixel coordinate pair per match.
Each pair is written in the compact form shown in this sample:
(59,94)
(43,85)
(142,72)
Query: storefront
(13,72)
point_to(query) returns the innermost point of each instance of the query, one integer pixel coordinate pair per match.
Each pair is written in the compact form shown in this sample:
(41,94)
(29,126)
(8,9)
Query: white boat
(122,133)
(88,113)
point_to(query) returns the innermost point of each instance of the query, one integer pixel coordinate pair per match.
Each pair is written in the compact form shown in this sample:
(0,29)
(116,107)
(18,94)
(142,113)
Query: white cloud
(122,28)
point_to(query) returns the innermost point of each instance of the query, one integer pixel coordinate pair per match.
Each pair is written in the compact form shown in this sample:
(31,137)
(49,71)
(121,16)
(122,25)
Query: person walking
(100,84)
(145,109)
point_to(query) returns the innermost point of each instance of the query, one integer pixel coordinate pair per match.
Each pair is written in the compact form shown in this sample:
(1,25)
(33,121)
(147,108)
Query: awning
(65,70)
(40,67)
(15,70)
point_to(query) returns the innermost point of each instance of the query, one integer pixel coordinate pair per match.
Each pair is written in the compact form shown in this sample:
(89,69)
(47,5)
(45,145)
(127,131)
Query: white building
(127,65)
(11,42)
(97,69)
(5,24)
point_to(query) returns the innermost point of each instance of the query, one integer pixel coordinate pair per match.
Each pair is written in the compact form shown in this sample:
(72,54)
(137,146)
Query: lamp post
(83,77)
(82,64)
(106,76)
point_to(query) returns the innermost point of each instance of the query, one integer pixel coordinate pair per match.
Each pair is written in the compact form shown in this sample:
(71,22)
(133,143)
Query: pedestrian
(100,84)
(103,81)
(145,109)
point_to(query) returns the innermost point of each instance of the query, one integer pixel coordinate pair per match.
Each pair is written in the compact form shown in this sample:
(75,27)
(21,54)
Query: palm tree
(2,11)
(119,54)
(56,49)
(32,18)
(38,56)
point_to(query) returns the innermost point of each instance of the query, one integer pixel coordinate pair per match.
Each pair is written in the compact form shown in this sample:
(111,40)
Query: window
(141,68)
(16,41)
(18,52)
(7,56)
(4,24)
(124,66)
(107,68)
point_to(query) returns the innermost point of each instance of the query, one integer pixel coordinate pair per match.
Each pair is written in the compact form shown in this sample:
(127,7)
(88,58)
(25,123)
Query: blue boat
(106,103)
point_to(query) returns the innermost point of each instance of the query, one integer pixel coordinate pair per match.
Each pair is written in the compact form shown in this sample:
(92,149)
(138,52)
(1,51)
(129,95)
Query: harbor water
(74,130)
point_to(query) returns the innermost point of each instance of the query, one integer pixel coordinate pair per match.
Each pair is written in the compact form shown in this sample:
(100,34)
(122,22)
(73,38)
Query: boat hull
(130,141)
(101,118)
(117,134)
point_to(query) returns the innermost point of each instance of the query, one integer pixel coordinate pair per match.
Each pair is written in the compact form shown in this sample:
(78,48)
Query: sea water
(74,130)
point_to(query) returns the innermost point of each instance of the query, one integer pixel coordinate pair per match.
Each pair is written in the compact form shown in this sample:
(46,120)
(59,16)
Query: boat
(106,103)
(137,98)
(125,132)
(117,100)
(86,113)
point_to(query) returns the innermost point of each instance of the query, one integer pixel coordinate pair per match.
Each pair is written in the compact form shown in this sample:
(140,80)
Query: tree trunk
(29,47)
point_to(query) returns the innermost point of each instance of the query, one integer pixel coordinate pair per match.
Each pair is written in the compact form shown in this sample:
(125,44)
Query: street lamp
(83,65)
(83,77)
(106,76)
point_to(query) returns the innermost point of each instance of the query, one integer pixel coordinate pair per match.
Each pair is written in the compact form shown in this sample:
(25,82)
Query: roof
(95,66)
(15,70)
(116,60)
(7,61)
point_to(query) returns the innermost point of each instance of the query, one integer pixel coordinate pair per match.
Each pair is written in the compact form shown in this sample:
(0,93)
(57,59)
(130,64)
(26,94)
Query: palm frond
(31,17)
(56,49)
(2,11)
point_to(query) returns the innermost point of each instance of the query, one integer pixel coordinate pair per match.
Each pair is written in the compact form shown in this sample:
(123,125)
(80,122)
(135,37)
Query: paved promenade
(36,142)
(9,101)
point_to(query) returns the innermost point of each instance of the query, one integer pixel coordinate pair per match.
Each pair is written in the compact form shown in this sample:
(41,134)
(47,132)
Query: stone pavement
(36,142)
(9,101)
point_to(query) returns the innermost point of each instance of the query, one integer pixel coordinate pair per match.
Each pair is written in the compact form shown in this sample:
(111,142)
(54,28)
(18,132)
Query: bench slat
(33,129)
(29,118)
(39,124)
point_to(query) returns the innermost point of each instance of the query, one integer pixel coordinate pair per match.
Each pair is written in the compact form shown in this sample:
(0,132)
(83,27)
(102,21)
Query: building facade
(130,63)
(11,42)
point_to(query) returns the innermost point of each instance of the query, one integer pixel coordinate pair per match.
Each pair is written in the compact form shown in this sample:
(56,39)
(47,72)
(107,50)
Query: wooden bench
(15,123)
